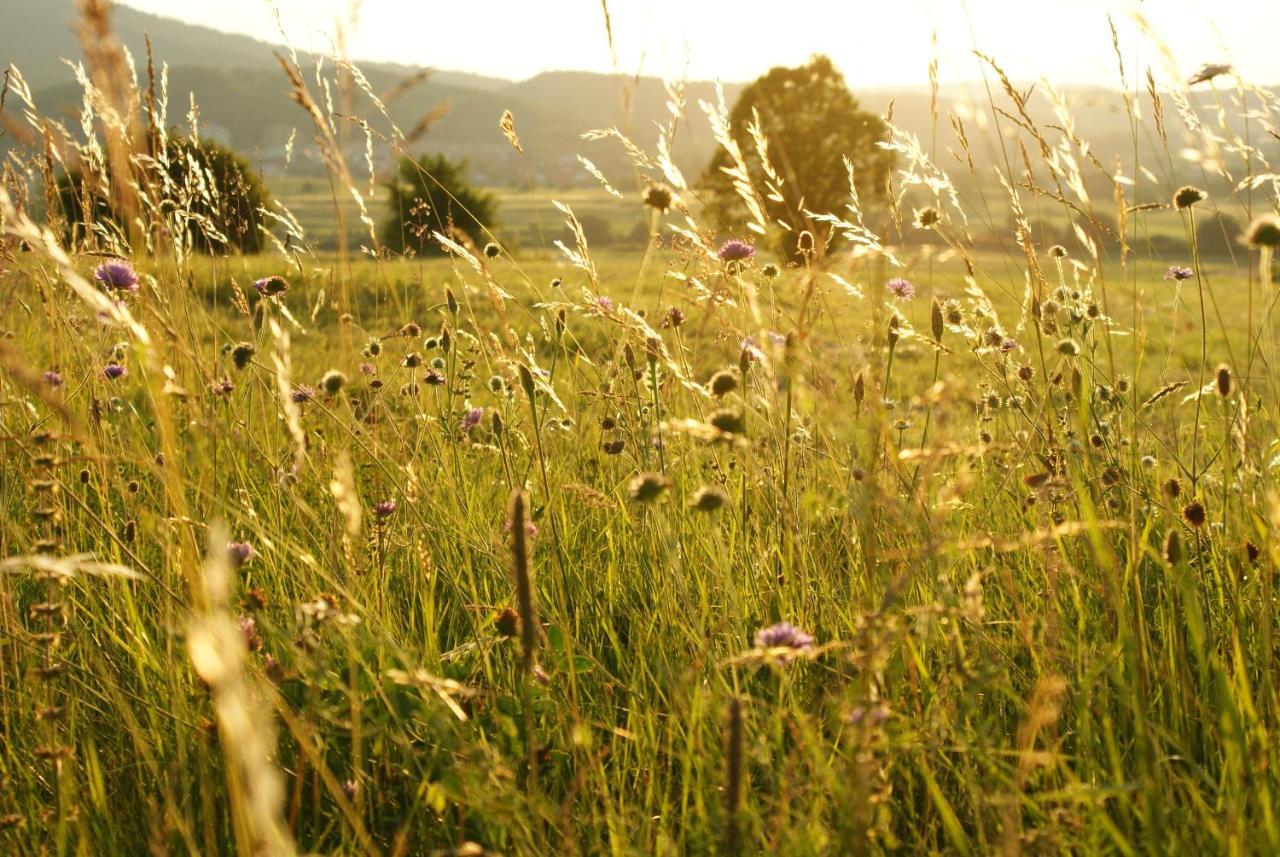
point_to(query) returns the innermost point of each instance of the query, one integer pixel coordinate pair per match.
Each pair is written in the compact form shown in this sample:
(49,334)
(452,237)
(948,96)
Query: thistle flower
(1009,345)
(734,250)
(1194,513)
(658,197)
(722,383)
(333,381)
(472,419)
(604,304)
(1178,273)
(239,553)
(302,394)
(113,371)
(1264,231)
(385,509)
(222,387)
(708,498)
(783,635)
(1187,196)
(117,275)
(902,289)
(242,353)
(271,286)
(647,487)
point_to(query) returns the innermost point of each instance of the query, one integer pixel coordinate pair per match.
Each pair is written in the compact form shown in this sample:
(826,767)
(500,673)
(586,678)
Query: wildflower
(734,250)
(242,353)
(112,371)
(249,628)
(722,383)
(222,387)
(927,217)
(302,394)
(530,528)
(271,286)
(783,635)
(117,275)
(239,553)
(1069,348)
(674,317)
(1224,380)
(333,381)
(412,360)
(1009,345)
(1187,196)
(770,270)
(53,379)
(507,622)
(658,197)
(647,487)
(901,289)
(472,419)
(1264,232)
(727,421)
(385,509)
(434,377)
(1194,513)
(708,498)
(1057,251)
(1178,273)
(604,304)
(412,330)
(491,250)
(373,347)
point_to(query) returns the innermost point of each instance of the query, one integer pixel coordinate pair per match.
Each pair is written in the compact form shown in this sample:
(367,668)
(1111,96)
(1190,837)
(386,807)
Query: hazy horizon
(874,49)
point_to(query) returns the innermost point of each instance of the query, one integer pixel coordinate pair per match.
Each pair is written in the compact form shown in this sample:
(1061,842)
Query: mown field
(665,546)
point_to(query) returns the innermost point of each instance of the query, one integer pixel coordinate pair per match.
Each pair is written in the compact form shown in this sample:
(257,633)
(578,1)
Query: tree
(431,194)
(811,122)
(203,185)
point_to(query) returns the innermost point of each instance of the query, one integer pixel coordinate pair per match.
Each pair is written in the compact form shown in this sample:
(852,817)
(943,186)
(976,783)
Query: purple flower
(239,553)
(53,379)
(271,286)
(112,371)
(734,250)
(1178,273)
(530,528)
(1009,345)
(472,419)
(385,509)
(434,377)
(783,635)
(605,304)
(902,289)
(117,274)
(222,387)
(302,394)
(249,627)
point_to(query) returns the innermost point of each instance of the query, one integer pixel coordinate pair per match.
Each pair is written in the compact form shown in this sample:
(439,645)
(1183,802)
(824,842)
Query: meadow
(885,542)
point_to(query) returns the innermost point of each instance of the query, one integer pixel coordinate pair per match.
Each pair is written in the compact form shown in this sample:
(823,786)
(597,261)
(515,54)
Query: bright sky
(881,43)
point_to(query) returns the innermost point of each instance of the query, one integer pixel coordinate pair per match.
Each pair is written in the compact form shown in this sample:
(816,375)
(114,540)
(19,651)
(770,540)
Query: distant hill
(243,100)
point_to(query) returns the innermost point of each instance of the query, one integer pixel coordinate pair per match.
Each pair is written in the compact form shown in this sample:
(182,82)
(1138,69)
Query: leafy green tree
(203,184)
(432,194)
(811,122)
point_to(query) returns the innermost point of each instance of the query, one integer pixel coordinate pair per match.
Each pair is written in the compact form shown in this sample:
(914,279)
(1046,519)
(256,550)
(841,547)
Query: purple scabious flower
(385,509)
(1009,345)
(53,379)
(902,289)
(239,553)
(604,304)
(783,635)
(471,419)
(734,250)
(302,394)
(434,377)
(271,286)
(118,275)
(112,371)
(1178,273)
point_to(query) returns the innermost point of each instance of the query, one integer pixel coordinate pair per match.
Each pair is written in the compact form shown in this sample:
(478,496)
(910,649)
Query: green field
(954,538)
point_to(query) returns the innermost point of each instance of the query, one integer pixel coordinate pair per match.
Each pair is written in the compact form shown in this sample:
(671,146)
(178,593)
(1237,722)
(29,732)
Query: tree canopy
(432,194)
(811,122)
(204,188)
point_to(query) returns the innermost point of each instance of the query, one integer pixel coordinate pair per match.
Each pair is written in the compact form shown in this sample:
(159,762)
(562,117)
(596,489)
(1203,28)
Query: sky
(875,44)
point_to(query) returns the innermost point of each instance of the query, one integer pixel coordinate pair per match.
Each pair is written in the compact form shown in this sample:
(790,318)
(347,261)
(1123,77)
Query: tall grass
(473,555)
